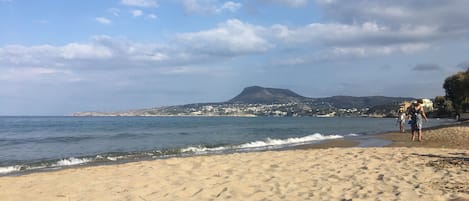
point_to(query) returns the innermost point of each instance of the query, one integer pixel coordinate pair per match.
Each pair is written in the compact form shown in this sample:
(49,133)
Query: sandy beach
(436,169)
(453,136)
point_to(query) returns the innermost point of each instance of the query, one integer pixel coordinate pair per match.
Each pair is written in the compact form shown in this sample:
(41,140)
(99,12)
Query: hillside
(362,102)
(260,95)
(260,101)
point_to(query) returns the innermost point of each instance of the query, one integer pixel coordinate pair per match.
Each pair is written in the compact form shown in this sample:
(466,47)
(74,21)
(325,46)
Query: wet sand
(453,136)
(448,136)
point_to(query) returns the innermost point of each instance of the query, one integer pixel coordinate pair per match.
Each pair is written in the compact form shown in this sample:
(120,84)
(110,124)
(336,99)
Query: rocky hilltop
(260,101)
(260,95)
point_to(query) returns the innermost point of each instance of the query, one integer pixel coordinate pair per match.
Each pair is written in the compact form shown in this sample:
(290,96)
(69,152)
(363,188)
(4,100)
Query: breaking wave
(263,144)
(266,144)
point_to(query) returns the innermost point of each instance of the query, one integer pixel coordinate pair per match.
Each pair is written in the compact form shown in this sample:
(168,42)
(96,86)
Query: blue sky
(59,57)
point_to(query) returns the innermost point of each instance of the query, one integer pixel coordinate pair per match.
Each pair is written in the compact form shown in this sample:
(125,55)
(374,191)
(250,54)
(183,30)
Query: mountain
(260,101)
(261,95)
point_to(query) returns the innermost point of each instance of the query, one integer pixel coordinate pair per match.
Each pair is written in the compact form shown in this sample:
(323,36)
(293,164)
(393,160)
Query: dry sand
(391,173)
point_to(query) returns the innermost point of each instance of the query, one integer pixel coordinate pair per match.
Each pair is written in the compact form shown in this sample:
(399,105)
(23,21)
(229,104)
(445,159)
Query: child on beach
(401,121)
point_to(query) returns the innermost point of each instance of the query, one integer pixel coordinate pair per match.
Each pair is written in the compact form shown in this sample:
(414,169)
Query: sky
(59,57)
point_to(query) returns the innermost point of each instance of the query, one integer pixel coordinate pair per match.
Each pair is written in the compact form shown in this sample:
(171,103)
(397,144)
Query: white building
(427,105)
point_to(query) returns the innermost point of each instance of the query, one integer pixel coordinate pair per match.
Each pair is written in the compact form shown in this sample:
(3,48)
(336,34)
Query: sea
(31,144)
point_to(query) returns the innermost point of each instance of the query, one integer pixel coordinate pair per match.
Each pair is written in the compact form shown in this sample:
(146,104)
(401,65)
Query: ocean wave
(45,165)
(266,144)
(258,145)
(10,169)
(111,157)
(353,135)
(71,161)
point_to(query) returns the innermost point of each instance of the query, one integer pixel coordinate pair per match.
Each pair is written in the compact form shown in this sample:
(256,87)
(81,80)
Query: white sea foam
(353,135)
(200,149)
(111,158)
(264,143)
(58,164)
(72,161)
(289,141)
(10,169)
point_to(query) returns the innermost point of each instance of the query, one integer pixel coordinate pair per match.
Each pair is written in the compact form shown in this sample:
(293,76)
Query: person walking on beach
(401,121)
(417,114)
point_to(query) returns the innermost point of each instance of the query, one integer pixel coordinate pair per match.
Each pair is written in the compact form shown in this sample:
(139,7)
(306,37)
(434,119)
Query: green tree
(457,90)
(448,105)
(439,102)
(444,107)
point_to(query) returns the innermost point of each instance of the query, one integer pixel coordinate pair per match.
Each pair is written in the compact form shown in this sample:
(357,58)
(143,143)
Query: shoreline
(444,136)
(436,169)
(385,139)
(431,138)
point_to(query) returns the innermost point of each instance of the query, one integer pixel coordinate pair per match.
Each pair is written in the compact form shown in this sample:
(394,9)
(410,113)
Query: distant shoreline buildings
(258,101)
(427,105)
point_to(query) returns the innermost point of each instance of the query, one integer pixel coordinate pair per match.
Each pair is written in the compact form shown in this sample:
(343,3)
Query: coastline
(452,136)
(455,136)
(435,169)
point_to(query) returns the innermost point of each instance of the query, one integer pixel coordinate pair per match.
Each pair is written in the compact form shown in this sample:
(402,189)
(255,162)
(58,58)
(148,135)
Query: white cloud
(230,6)
(209,6)
(193,6)
(22,55)
(114,11)
(344,35)
(136,13)
(103,50)
(450,18)
(140,3)
(103,20)
(47,55)
(291,3)
(413,47)
(234,38)
(36,73)
(152,16)
(85,51)
(230,38)
(325,1)
(192,70)
(337,53)
(391,11)
(344,52)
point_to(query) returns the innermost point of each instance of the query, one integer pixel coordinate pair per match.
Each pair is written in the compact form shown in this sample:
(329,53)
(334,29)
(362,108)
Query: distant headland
(261,101)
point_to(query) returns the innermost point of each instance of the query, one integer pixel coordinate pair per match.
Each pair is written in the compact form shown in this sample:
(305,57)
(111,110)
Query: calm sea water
(37,143)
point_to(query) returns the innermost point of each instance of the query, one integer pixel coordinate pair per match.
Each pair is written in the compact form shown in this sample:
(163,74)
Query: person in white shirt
(401,121)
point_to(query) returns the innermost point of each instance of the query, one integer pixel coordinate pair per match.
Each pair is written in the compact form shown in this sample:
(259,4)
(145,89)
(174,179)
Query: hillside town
(258,101)
(256,110)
